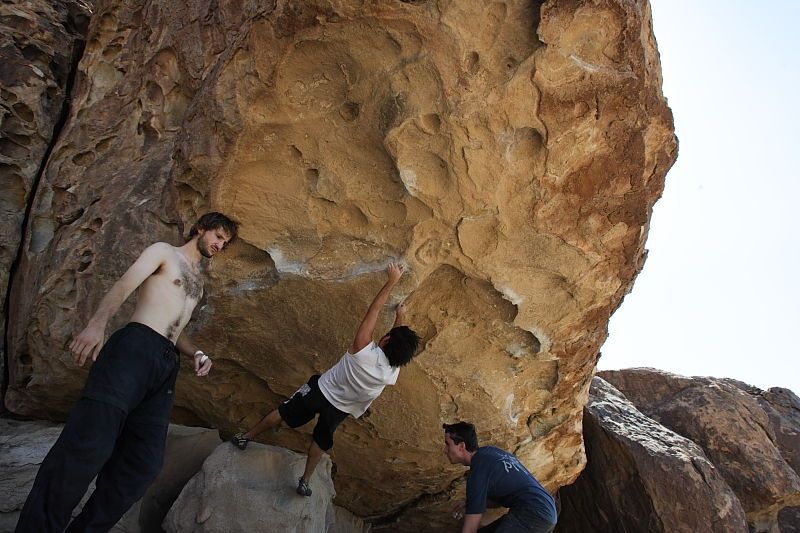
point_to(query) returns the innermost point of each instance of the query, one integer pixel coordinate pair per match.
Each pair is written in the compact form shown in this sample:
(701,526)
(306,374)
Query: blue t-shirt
(498,475)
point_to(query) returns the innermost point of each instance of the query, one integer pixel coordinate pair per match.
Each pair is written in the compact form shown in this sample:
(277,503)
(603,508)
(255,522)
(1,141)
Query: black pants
(116,431)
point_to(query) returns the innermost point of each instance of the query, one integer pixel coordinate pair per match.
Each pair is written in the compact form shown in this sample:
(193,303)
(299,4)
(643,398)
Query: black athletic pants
(116,431)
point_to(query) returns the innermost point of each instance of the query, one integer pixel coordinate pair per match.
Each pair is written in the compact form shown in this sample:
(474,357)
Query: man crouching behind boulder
(497,479)
(117,429)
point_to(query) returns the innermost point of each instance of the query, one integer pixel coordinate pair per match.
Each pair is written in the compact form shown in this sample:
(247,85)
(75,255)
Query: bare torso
(168,297)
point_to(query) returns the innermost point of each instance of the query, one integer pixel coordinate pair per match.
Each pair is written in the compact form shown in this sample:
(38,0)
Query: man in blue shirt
(497,479)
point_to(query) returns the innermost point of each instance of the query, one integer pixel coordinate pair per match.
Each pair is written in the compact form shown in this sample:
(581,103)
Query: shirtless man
(117,429)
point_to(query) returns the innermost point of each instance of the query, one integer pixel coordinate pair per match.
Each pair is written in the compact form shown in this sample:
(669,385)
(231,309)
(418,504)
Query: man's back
(499,476)
(357,379)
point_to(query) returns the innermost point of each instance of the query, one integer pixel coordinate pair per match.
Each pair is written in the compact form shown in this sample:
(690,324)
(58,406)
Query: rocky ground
(670,454)
(205,485)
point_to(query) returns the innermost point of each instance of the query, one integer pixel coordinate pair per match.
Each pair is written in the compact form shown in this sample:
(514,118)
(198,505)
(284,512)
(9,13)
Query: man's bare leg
(268,422)
(314,455)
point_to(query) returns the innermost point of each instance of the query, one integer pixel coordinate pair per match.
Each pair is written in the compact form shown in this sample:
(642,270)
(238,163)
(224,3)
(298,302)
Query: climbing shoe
(302,488)
(239,441)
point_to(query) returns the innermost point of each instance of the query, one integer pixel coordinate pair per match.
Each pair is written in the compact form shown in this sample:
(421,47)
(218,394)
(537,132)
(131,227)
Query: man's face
(453,451)
(212,241)
(384,341)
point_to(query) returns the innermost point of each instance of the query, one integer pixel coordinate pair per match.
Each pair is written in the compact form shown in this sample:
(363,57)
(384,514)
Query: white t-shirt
(356,380)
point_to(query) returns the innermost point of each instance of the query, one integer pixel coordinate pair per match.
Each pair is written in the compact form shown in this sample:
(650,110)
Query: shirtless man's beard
(204,249)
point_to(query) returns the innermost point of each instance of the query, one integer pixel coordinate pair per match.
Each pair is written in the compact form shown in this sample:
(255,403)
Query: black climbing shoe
(302,488)
(239,441)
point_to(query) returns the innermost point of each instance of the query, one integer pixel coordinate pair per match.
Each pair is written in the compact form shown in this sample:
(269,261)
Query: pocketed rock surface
(40,42)
(509,153)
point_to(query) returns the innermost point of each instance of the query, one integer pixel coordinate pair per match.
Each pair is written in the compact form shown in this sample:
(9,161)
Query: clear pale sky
(719,294)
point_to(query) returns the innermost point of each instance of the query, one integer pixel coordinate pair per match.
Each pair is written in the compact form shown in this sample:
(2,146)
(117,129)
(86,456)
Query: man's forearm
(374,309)
(380,299)
(399,314)
(471,523)
(109,305)
(185,345)
(367,327)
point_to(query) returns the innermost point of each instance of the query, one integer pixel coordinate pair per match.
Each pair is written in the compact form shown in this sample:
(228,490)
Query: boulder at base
(187,448)
(24,445)
(254,490)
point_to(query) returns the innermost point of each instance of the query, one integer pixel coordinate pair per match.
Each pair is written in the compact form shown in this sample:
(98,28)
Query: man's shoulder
(162,249)
(489,453)
(490,450)
(369,348)
(162,253)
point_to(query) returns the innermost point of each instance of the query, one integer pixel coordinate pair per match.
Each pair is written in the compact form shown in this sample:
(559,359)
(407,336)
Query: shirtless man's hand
(88,341)
(202,364)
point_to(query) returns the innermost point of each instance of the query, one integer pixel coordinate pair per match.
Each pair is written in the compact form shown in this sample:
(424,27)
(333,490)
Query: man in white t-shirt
(350,386)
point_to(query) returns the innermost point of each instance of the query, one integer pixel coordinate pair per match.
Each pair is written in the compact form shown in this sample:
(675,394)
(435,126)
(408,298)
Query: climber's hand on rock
(394,271)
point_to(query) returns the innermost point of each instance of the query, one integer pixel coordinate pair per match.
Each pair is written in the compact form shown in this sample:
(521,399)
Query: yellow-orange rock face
(508,152)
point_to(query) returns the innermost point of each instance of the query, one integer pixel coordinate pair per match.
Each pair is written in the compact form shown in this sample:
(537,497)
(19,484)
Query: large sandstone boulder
(23,446)
(41,42)
(750,435)
(641,476)
(254,490)
(509,153)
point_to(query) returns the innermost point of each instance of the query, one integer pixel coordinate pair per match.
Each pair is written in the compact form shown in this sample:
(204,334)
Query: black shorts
(307,402)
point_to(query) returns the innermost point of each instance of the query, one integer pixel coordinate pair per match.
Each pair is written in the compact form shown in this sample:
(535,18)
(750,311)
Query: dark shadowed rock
(40,43)
(750,435)
(640,476)
(789,520)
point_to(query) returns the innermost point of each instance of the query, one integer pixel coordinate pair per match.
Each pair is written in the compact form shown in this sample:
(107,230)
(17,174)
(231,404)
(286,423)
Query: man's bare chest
(189,280)
(178,281)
